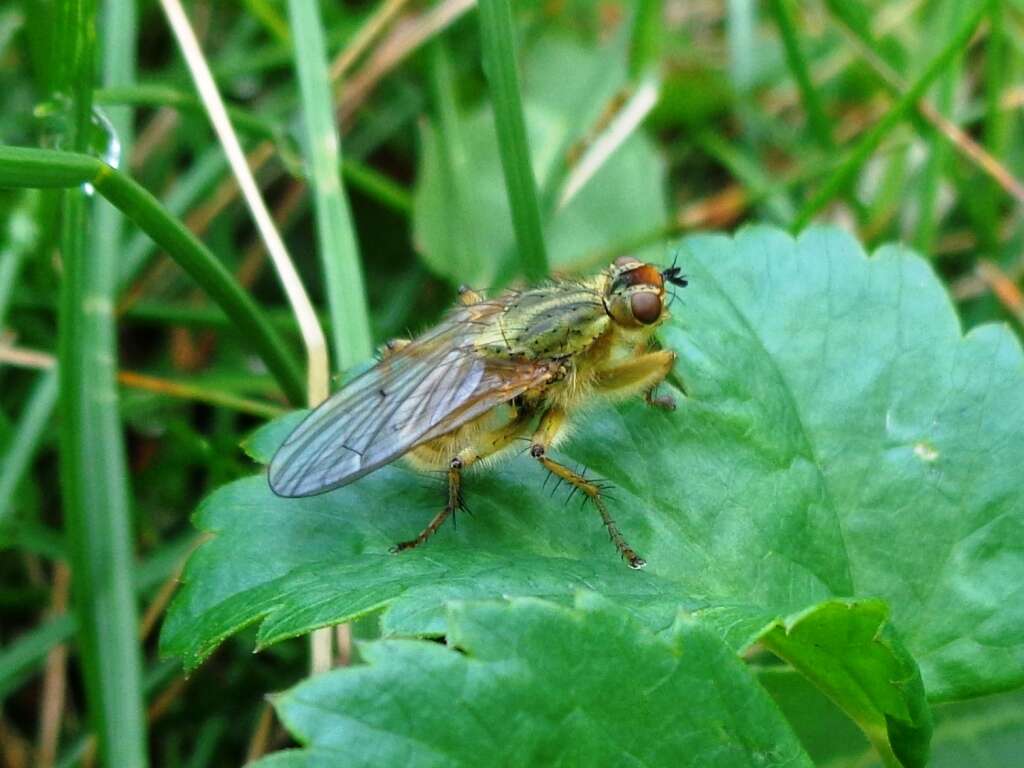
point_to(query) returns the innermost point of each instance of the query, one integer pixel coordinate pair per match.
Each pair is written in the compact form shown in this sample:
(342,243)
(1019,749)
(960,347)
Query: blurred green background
(896,120)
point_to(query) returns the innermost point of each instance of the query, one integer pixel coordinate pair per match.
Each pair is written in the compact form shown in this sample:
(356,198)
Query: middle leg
(454,502)
(486,444)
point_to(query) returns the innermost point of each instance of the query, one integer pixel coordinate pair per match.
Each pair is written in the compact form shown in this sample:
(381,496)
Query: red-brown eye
(646,307)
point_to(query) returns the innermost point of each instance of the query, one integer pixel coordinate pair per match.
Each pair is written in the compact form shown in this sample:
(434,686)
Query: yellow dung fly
(493,372)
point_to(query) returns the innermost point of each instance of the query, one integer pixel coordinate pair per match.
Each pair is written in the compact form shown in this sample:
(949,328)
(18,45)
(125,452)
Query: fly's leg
(550,425)
(486,444)
(454,502)
(639,374)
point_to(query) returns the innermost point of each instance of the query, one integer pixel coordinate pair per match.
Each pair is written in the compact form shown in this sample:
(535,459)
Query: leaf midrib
(809,448)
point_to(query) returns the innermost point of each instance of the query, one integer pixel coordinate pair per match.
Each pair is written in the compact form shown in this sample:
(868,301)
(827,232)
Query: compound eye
(646,307)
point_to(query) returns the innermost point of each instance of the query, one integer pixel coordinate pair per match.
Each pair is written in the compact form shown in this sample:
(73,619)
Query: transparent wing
(426,389)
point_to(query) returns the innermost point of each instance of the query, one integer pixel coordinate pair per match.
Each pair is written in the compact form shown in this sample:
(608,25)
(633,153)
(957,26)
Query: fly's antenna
(674,274)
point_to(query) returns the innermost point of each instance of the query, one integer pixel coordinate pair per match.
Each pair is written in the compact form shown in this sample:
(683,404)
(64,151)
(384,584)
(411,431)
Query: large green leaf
(624,201)
(533,683)
(841,438)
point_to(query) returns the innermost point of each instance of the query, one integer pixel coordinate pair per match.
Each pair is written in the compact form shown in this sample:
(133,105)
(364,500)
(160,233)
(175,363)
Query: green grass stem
(25,441)
(840,180)
(26,167)
(817,120)
(339,251)
(453,156)
(501,68)
(947,15)
(999,71)
(94,487)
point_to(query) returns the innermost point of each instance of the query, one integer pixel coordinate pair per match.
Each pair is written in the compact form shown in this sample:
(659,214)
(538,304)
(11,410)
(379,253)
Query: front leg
(638,374)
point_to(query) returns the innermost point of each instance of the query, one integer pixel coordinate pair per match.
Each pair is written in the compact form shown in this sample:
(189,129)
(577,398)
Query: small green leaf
(841,438)
(262,443)
(533,683)
(849,650)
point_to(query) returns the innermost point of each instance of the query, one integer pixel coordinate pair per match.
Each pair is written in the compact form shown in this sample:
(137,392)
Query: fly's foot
(665,402)
(634,561)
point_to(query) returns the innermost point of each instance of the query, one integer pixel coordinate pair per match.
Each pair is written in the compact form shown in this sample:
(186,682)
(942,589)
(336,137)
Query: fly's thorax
(556,321)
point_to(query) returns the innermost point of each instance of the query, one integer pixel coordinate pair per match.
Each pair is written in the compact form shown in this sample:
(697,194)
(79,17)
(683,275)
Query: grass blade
(202,174)
(838,182)
(22,658)
(377,186)
(849,17)
(741,164)
(501,68)
(454,160)
(159,95)
(339,252)
(25,441)
(22,235)
(94,486)
(647,38)
(317,371)
(947,14)
(741,28)
(816,117)
(999,73)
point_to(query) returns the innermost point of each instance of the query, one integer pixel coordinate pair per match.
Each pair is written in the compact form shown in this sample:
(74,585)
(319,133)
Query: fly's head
(635,296)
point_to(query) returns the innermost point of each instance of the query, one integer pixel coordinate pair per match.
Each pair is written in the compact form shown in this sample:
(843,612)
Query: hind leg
(551,424)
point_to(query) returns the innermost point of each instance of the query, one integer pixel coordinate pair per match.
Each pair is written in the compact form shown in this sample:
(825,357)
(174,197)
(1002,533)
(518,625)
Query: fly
(494,371)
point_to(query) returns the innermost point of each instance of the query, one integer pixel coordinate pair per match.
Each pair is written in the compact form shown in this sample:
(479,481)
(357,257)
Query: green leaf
(981,733)
(850,651)
(841,438)
(540,684)
(622,202)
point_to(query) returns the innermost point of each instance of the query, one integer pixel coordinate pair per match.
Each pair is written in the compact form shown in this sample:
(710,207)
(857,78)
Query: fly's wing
(424,390)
